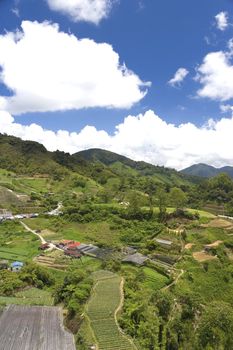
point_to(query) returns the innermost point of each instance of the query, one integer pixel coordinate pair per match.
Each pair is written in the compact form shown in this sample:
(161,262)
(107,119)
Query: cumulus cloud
(152,140)
(216,75)
(83,10)
(179,77)
(49,70)
(222,20)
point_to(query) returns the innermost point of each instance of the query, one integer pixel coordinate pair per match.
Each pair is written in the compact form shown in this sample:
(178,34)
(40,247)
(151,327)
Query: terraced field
(101,311)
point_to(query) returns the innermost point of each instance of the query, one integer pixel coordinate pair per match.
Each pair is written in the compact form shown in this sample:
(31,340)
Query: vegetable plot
(101,311)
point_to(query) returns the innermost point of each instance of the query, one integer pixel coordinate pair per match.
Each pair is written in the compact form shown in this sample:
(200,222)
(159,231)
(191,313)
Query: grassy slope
(88,233)
(32,296)
(16,243)
(214,282)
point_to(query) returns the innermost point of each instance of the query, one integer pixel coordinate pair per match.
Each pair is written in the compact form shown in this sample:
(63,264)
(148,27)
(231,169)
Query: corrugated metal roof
(164,241)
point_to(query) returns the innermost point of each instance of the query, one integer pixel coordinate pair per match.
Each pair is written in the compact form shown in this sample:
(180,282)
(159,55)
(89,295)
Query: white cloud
(222,20)
(49,70)
(179,77)
(152,140)
(226,108)
(83,10)
(216,75)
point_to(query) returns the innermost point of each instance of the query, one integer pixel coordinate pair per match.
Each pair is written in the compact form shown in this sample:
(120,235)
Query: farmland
(125,208)
(34,328)
(31,296)
(101,313)
(16,243)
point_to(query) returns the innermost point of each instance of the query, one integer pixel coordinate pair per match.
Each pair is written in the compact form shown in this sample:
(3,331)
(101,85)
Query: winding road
(43,241)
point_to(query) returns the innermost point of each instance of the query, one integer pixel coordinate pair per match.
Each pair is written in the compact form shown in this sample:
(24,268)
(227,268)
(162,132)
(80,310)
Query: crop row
(101,312)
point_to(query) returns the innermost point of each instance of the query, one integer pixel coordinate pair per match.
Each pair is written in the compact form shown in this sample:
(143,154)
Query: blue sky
(153,38)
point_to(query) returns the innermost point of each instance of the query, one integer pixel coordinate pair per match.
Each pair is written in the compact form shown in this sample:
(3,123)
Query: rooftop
(136,258)
(164,241)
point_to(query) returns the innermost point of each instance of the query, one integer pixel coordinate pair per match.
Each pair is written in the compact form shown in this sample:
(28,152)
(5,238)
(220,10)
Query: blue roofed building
(16,266)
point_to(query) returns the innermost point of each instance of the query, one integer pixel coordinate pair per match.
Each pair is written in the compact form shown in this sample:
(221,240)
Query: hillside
(204,170)
(30,158)
(121,165)
(26,157)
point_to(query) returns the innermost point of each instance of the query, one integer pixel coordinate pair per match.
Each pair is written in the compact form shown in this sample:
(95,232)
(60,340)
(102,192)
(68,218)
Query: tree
(216,327)
(162,203)
(148,330)
(105,195)
(150,189)
(178,198)
(134,209)
(164,302)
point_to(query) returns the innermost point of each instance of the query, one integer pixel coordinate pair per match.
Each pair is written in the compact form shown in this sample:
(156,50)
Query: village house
(73,253)
(164,243)
(136,259)
(62,244)
(44,246)
(5,214)
(72,246)
(16,266)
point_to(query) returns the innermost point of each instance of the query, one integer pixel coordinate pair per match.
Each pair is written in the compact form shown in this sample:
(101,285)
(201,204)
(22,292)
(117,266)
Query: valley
(128,250)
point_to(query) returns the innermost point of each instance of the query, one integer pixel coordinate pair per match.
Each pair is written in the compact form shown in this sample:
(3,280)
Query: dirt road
(43,241)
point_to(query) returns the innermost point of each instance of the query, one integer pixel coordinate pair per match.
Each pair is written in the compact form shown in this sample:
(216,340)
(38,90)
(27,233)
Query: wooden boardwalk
(33,328)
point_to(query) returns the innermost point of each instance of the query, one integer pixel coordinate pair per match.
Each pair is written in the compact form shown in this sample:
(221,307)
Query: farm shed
(72,246)
(137,259)
(87,248)
(94,251)
(164,243)
(129,250)
(65,242)
(16,266)
(73,254)
(44,246)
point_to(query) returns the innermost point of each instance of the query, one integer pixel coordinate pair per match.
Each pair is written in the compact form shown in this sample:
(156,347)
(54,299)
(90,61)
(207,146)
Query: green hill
(123,166)
(204,170)
(31,158)
(27,157)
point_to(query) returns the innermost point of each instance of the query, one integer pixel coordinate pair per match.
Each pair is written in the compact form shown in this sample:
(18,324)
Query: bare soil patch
(203,256)
(188,246)
(219,223)
(214,244)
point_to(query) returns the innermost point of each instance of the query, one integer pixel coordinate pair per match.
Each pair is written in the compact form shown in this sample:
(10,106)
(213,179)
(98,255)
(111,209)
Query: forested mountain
(208,171)
(28,158)
(101,175)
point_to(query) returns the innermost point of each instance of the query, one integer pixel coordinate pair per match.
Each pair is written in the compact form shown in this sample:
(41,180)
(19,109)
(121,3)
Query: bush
(37,276)
(10,283)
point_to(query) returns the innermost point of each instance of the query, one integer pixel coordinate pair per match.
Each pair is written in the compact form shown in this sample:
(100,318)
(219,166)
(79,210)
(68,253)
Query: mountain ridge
(207,171)
(30,158)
